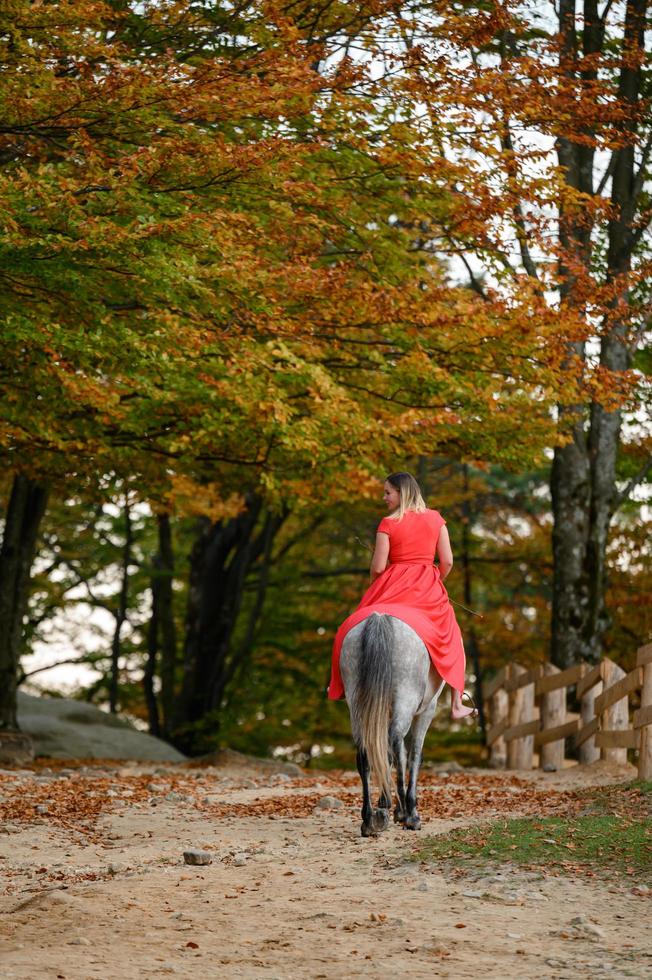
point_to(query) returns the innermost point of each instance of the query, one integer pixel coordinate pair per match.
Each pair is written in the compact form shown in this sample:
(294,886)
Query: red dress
(411,589)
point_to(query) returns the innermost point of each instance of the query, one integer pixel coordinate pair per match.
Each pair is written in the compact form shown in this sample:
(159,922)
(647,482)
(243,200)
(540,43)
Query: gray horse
(390,686)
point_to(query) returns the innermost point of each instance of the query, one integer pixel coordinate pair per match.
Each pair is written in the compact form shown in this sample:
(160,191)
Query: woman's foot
(459,710)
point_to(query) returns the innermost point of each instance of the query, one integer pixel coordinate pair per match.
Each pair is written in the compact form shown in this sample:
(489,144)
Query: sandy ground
(94,885)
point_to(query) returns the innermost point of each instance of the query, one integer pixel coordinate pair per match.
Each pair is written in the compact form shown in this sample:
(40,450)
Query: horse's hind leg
(363,769)
(400,759)
(374,821)
(420,726)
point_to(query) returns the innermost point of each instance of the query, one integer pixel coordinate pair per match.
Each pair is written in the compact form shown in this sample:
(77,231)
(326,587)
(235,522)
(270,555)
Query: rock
(444,767)
(16,748)
(116,868)
(239,860)
(197,857)
(250,784)
(593,931)
(173,797)
(65,729)
(43,899)
(422,886)
(229,759)
(329,803)
(79,941)
(580,927)
(436,949)
(41,808)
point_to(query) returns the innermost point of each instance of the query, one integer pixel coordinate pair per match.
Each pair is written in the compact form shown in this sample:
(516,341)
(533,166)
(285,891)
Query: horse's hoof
(413,822)
(399,815)
(378,823)
(370,830)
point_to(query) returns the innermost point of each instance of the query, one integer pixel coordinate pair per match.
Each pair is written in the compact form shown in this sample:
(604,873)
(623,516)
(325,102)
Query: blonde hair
(411,497)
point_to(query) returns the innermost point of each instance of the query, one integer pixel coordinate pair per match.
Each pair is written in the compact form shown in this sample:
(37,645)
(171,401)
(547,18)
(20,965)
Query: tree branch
(634,482)
(57,663)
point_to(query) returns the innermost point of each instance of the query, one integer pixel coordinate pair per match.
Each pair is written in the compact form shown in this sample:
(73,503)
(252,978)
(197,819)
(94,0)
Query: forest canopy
(255,257)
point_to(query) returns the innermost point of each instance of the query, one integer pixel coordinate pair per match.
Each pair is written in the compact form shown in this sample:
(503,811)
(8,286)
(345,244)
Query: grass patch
(606,842)
(643,786)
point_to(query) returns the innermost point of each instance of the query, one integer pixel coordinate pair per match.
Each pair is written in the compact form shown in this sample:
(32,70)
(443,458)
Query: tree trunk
(152,651)
(471,642)
(583,479)
(26,508)
(604,435)
(121,611)
(221,559)
(168,630)
(569,486)
(161,634)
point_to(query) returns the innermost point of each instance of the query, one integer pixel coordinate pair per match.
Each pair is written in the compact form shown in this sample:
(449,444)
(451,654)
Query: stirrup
(469,697)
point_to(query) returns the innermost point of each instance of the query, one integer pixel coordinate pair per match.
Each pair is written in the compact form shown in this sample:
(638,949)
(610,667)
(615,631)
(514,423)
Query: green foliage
(225,256)
(319,570)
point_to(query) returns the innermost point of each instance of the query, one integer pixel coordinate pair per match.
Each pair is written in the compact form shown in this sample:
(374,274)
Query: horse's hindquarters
(390,685)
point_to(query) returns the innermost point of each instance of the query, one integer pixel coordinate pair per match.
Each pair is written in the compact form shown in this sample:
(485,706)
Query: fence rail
(528,711)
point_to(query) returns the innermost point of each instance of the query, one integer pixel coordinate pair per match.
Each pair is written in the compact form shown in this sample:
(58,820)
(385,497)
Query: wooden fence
(527,711)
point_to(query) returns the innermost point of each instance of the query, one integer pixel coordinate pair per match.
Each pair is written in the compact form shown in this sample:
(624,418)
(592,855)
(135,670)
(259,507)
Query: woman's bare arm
(380,556)
(444,553)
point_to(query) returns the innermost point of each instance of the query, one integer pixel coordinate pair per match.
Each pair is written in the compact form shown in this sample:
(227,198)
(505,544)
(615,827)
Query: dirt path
(94,885)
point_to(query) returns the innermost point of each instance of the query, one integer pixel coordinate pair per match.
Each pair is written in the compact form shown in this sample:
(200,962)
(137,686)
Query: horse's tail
(373,698)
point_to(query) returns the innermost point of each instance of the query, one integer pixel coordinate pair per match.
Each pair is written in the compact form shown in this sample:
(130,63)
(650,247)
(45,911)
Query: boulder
(60,728)
(239,762)
(16,749)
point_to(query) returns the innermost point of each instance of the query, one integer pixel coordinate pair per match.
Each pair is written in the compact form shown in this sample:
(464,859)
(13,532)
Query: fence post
(616,717)
(499,709)
(553,713)
(644,660)
(520,751)
(589,752)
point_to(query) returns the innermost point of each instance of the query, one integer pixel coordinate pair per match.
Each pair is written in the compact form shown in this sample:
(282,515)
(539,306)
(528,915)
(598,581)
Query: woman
(406,583)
